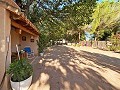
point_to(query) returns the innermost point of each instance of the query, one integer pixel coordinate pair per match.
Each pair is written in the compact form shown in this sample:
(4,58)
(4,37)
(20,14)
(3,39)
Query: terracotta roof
(23,21)
(19,16)
(11,2)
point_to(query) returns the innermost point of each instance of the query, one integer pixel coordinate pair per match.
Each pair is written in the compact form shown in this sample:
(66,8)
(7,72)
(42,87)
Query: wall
(33,45)
(5,47)
(95,44)
(15,39)
(102,44)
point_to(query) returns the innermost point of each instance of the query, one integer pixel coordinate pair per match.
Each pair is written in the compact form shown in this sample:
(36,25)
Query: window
(23,38)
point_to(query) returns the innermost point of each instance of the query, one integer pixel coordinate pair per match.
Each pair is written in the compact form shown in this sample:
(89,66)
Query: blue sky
(106,0)
(100,0)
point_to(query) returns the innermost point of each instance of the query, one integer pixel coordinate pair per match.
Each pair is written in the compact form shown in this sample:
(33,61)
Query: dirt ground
(76,68)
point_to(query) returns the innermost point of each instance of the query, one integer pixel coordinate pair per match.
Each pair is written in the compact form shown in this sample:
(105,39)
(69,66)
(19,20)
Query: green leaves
(105,17)
(20,70)
(42,42)
(57,16)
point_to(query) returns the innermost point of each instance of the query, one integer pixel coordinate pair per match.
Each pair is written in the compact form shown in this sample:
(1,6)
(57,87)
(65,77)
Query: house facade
(15,29)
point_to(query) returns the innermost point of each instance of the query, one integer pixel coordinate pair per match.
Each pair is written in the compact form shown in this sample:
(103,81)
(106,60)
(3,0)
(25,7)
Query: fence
(104,45)
(96,44)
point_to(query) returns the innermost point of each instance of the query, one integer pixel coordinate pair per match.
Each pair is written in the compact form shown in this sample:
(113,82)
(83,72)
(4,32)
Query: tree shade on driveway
(73,68)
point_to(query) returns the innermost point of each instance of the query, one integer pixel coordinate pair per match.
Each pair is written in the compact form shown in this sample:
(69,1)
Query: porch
(22,39)
(15,29)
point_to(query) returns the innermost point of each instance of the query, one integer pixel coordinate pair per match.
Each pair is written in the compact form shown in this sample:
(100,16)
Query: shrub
(20,70)
(42,42)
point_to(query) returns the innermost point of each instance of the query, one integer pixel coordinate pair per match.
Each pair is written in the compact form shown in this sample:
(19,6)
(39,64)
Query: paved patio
(73,68)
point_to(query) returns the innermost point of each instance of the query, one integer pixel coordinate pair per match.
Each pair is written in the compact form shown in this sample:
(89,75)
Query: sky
(100,0)
(106,0)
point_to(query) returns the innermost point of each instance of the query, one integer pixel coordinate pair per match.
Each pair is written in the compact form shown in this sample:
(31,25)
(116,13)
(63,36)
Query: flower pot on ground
(22,85)
(41,54)
(21,74)
(41,51)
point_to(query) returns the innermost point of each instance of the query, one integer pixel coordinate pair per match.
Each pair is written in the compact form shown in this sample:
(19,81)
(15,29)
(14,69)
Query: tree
(24,5)
(78,15)
(55,17)
(105,18)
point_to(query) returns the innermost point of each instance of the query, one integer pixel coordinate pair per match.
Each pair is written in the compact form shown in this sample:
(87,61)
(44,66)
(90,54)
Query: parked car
(61,42)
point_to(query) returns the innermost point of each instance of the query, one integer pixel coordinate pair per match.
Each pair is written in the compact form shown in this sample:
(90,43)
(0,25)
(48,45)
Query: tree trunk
(95,38)
(19,3)
(26,10)
(79,37)
(24,7)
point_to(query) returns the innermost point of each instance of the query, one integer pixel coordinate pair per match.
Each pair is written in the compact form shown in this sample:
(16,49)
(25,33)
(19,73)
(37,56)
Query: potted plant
(42,43)
(40,50)
(21,74)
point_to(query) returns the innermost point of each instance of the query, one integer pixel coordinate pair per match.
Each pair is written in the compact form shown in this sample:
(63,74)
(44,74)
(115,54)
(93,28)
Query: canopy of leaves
(56,17)
(106,16)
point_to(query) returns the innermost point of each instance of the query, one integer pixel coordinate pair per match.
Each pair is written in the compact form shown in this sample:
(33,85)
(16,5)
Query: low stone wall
(95,44)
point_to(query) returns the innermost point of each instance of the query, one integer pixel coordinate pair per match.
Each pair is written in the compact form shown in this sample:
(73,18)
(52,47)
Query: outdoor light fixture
(31,37)
(20,31)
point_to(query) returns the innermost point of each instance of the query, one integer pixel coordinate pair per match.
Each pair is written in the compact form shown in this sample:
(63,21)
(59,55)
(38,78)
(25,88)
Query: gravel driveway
(76,68)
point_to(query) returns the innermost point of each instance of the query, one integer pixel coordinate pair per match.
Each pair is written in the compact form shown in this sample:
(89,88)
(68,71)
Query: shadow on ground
(64,68)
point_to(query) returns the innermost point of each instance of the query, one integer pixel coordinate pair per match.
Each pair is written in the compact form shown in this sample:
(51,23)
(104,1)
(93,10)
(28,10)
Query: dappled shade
(64,68)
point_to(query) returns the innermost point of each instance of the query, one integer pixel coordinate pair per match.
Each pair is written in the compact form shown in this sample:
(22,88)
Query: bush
(114,48)
(115,43)
(111,48)
(42,42)
(20,70)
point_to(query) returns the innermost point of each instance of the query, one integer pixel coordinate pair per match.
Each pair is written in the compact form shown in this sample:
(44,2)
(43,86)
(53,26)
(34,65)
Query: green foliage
(20,70)
(115,40)
(114,48)
(42,42)
(56,17)
(106,17)
(74,37)
(104,34)
(115,43)
(78,15)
